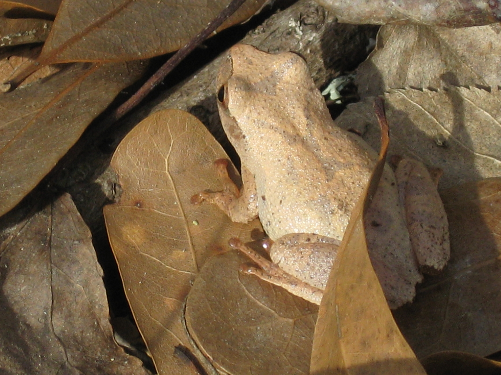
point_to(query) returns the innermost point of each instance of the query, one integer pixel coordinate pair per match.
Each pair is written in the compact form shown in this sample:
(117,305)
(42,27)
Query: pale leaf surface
(431,57)
(451,13)
(456,130)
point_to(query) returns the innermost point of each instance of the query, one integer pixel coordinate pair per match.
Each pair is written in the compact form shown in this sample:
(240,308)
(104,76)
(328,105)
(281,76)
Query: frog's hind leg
(273,274)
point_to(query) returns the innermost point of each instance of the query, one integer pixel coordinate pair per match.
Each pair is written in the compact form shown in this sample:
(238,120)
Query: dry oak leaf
(431,57)
(452,13)
(129,30)
(461,309)
(41,121)
(54,311)
(456,130)
(355,333)
(160,240)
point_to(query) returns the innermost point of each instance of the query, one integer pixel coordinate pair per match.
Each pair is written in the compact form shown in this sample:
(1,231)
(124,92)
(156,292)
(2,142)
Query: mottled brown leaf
(160,239)
(246,325)
(431,57)
(452,13)
(461,308)
(41,121)
(53,311)
(355,331)
(456,130)
(126,30)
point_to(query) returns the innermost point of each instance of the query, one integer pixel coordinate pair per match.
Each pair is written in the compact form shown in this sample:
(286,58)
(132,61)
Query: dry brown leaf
(160,239)
(41,121)
(431,57)
(246,325)
(452,13)
(355,331)
(129,30)
(460,309)
(54,312)
(456,130)
(29,8)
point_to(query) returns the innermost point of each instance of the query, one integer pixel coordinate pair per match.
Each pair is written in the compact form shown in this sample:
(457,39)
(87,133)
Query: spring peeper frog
(303,175)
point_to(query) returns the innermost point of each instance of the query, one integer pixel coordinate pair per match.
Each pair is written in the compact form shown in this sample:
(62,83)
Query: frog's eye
(221,95)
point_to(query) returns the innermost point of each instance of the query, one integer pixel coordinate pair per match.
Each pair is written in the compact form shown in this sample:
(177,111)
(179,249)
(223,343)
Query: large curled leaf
(53,311)
(160,240)
(431,57)
(461,308)
(355,331)
(41,121)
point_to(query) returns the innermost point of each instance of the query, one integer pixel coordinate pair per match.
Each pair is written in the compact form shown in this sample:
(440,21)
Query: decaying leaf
(431,57)
(53,312)
(355,331)
(41,121)
(461,308)
(450,13)
(456,130)
(160,239)
(246,325)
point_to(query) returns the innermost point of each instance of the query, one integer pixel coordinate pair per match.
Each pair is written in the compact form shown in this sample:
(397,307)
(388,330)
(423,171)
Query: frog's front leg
(301,263)
(239,204)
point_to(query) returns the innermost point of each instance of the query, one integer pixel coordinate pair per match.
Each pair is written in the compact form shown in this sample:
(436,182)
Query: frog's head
(261,96)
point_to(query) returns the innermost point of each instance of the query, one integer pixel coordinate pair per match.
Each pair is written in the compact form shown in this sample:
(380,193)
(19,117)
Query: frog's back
(311,186)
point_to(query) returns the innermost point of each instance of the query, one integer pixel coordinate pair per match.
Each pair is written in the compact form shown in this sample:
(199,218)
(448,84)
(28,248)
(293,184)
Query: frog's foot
(273,274)
(239,204)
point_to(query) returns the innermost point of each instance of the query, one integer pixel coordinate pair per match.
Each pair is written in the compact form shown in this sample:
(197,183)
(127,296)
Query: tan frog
(303,175)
